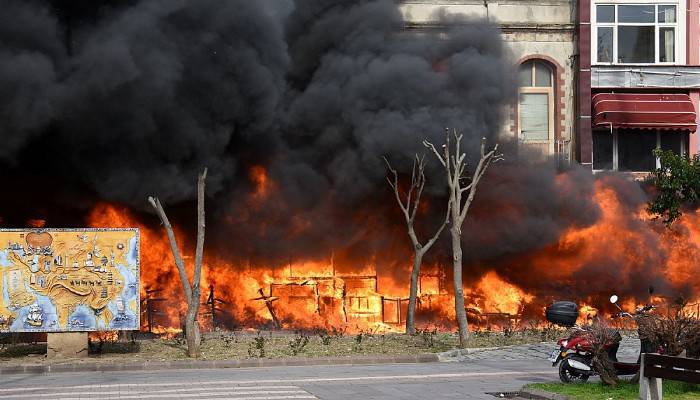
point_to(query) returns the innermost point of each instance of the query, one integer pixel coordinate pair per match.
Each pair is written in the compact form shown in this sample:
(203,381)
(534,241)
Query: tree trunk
(194,337)
(460,311)
(455,167)
(191,292)
(192,333)
(410,315)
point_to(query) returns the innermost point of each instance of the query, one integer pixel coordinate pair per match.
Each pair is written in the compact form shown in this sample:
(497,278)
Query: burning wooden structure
(369,292)
(355,299)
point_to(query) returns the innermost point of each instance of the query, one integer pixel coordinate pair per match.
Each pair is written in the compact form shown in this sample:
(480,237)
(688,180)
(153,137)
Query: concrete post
(67,345)
(649,388)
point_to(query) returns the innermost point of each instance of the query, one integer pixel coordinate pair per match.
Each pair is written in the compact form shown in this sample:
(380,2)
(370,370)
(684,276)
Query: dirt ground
(267,344)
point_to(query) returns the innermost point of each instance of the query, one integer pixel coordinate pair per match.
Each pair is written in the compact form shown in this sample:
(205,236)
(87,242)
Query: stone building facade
(541,37)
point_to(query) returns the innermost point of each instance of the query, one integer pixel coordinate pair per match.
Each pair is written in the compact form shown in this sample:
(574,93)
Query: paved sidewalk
(629,351)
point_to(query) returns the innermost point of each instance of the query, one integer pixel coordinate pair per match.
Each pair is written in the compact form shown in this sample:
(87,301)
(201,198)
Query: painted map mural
(60,280)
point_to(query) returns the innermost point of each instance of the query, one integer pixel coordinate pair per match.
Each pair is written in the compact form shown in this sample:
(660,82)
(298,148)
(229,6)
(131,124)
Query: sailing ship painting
(34,317)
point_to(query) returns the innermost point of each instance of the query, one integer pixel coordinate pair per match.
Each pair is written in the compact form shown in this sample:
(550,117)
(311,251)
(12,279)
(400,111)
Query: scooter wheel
(568,374)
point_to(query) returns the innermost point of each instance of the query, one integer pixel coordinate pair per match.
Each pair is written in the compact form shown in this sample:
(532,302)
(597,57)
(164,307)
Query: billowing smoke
(124,99)
(291,105)
(151,93)
(31,51)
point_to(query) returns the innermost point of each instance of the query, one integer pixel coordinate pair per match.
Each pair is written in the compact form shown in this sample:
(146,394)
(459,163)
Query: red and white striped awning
(644,111)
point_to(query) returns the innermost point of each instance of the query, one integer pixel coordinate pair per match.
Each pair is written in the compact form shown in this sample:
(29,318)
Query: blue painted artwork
(68,280)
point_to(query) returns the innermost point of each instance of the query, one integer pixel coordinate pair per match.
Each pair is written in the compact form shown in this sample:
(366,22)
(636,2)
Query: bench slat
(672,374)
(670,362)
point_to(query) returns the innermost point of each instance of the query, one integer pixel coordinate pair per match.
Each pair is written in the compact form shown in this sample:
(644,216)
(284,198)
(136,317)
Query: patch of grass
(249,345)
(623,391)
(244,344)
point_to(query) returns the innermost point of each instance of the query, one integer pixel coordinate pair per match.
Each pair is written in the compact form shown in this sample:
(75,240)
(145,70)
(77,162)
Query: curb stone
(530,393)
(214,364)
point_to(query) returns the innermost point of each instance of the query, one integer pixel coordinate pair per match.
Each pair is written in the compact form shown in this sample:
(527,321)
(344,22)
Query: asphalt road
(501,370)
(469,379)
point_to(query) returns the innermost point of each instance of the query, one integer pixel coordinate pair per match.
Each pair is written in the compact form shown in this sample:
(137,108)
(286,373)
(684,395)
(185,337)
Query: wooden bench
(655,367)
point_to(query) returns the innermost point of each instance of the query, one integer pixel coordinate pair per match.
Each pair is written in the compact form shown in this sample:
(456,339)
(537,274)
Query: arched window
(536,103)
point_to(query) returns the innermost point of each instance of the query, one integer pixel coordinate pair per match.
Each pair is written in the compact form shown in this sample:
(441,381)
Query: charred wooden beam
(345,312)
(268,303)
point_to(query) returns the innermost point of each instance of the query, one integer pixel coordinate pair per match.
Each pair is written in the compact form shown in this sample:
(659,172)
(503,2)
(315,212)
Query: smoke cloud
(130,98)
(291,105)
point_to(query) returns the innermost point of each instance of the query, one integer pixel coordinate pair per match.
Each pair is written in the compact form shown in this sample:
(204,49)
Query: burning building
(291,105)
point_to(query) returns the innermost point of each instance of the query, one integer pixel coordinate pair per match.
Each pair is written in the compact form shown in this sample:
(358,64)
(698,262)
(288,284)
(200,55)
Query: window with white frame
(626,32)
(536,105)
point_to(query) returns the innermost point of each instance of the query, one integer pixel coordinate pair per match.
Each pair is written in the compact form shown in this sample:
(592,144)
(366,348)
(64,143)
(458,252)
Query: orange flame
(35,223)
(312,293)
(260,180)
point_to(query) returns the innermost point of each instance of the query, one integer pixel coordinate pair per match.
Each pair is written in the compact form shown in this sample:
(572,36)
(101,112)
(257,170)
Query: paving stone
(629,351)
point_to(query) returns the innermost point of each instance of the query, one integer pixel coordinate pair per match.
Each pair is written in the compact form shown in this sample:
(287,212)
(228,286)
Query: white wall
(502,12)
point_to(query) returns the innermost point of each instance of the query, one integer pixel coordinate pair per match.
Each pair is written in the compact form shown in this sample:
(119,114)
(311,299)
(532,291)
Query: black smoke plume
(117,100)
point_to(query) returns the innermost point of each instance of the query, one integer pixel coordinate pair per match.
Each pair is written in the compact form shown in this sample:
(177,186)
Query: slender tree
(409,208)
(462,189)
(192,290)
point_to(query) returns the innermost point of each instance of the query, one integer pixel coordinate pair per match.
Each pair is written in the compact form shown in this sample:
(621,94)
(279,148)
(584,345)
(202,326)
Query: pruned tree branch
(446,222)
(434,150)
(155,203)
(409,208)
(395,185)
(417,181)
(458,183)
(201,225)
(485,160)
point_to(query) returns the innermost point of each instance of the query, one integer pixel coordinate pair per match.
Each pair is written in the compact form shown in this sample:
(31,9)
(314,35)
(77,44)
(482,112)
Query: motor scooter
(575,354)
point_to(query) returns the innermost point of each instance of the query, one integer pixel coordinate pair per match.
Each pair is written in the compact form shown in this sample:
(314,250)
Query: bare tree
(462,190)
(192,291)
(409,207)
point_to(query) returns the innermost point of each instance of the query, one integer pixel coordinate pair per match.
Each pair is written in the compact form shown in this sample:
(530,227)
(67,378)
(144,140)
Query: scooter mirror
(613,299)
